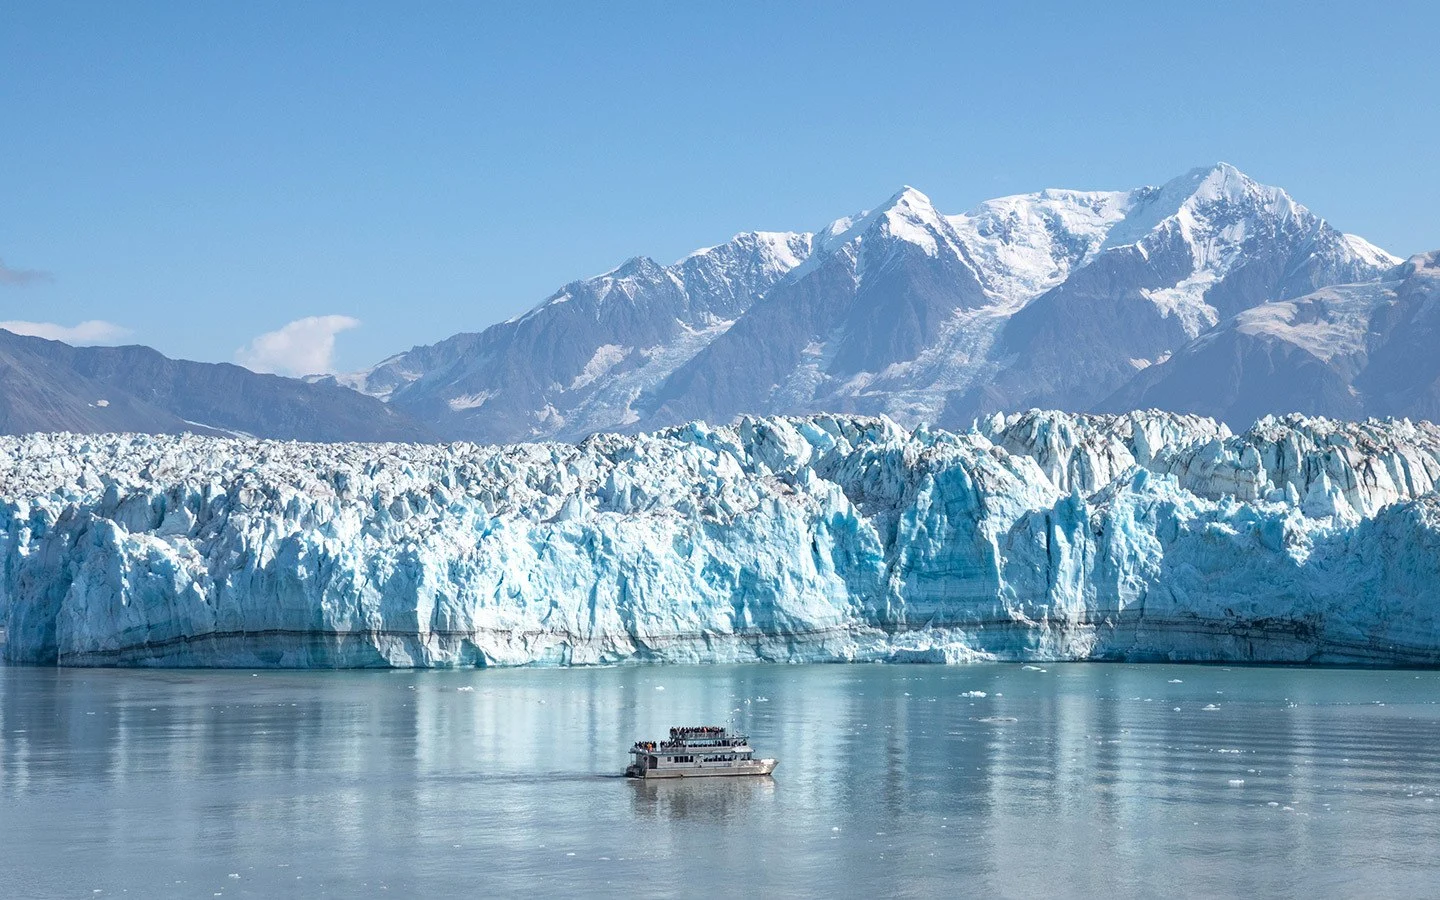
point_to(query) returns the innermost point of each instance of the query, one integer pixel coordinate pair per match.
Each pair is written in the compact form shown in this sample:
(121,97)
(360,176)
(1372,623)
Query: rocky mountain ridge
(1054,299)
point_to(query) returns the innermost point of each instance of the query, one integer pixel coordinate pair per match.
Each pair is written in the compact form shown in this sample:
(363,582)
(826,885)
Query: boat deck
(697,752)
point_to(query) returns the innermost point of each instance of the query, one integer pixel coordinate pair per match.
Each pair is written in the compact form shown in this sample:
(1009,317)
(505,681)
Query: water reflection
(1077,780)
(714,801)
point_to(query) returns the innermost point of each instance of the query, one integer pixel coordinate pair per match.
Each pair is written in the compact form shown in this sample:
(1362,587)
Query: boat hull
(757,767)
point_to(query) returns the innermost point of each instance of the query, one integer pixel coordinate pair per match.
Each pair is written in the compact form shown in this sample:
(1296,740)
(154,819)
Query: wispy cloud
(94,331)
(304,347)
(20,277)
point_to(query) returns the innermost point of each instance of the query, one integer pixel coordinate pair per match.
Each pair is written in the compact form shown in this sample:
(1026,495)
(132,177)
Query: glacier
(1031,536)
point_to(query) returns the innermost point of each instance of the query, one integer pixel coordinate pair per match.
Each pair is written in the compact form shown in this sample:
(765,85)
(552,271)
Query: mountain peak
(1219,169)
(908,216)
(771,251)
(634,266)
(1223,181)
(1193,192)
(907,196)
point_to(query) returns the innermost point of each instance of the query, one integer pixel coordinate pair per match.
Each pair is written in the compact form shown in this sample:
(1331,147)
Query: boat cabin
(697,747)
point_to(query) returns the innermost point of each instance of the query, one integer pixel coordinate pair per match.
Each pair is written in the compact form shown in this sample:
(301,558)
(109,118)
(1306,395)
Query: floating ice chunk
(974,694)
(1176,681)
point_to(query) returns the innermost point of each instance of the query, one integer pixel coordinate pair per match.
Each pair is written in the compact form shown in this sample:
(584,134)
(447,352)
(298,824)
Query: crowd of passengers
(678,737)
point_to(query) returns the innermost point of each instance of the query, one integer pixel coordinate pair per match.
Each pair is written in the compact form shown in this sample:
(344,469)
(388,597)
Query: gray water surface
(1074,780)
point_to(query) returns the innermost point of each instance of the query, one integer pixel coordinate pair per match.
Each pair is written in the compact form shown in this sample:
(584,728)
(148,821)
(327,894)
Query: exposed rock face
(1035,536)
(51,386)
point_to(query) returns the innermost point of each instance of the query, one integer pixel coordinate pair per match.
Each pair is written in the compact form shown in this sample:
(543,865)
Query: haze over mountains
(51,386)
(1211,294)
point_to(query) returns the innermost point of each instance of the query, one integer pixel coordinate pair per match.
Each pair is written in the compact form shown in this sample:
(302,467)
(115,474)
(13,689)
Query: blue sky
(204,173)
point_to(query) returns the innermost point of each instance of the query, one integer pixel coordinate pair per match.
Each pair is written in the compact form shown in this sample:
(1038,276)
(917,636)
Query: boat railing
(728,742)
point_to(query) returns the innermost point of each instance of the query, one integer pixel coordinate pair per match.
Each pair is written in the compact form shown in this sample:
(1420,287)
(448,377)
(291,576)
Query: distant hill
(51,386)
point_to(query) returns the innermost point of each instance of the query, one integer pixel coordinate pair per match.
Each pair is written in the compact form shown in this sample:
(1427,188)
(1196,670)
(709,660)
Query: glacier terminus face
(1035,536)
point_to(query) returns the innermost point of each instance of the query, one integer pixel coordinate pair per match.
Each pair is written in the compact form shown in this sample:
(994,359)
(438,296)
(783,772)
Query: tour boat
(695,752)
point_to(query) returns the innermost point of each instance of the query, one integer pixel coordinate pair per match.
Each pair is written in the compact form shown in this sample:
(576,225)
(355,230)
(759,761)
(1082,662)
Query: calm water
(1098,780)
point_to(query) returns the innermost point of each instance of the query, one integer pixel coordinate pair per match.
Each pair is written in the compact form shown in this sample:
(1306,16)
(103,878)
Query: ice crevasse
(1036,536)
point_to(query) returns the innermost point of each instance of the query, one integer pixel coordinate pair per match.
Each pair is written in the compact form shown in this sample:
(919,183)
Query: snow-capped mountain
(582,360)
(1201,295)
(1031,537)
(51,386)
(1199,249)
(1346,351)
(1055,299)
(896,311)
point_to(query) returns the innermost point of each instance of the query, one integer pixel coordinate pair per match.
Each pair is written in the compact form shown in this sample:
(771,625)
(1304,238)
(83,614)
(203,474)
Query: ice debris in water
(973,694)
(1037,536)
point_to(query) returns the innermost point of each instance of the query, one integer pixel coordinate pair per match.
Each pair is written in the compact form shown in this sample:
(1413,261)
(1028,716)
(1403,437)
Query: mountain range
(50,386)
(1211,293)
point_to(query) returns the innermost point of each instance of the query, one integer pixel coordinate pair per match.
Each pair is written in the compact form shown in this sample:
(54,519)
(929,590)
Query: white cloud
(91,332)
(304,347)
